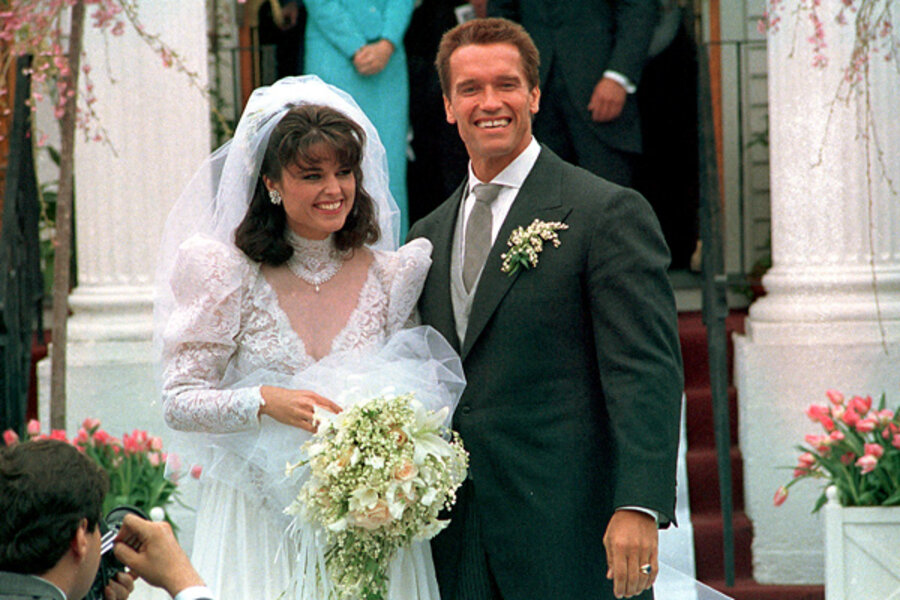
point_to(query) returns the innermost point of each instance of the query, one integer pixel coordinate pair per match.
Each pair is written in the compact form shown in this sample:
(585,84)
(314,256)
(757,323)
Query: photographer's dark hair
(46,488)
(261,234)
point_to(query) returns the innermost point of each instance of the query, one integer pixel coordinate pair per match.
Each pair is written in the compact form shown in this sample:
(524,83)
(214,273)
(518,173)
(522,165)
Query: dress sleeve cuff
(621,80)
(195,592)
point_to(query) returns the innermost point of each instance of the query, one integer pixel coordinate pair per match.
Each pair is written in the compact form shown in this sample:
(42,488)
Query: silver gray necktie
(478,232)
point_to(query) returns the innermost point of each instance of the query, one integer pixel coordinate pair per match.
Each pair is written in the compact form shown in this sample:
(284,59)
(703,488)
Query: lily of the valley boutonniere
(525,243)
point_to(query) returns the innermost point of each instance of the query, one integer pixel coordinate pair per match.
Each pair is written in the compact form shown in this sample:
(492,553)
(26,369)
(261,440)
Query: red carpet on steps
(703,479)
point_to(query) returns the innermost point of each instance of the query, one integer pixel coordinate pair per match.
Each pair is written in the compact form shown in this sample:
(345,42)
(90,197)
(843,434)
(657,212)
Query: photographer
(51,499)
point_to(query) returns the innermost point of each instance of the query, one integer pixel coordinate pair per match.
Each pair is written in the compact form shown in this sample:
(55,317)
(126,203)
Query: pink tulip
(154,459)
(867,463)
(196,470)
(866,425)
(819,442)
(90,424)
(155,444)
(781,495)
(835,396)
(828,424)
(806,460)
(59,434)
(837,435)
(33,427)
(875,450)
(859,404)
(10,437)
(850,417)
(83,437)
(848,458)
(885,416)
(896,442)
(816,412)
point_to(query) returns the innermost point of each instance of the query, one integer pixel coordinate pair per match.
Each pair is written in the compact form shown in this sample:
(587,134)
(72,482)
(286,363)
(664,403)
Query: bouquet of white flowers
(379,474)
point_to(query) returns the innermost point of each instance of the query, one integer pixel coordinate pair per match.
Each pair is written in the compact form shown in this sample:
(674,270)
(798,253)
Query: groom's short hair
(488,31)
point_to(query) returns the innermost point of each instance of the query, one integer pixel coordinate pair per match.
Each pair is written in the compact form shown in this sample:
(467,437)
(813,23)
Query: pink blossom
(850,417)
(816,412)
(59,434)
(885,416)
(848,458)
(819,442)
(90,424)
(860,405)
(837,435)
(83,437)
(33,427)
(866,425)
(155,444)
(781,495)
(896,442)
(867,463)
(875,450)
(101,437)
(196,471)
(806,460)
(10,437)
(154,459)
(828,424)
(835,396)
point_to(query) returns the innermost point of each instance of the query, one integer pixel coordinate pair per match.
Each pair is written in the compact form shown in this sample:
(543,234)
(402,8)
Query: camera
(109,565)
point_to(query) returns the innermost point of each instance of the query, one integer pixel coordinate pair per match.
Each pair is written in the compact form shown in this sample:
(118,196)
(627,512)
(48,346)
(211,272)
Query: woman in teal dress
(357,45)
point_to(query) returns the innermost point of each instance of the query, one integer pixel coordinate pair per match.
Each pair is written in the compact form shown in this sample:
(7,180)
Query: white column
(158,126)
(831,318)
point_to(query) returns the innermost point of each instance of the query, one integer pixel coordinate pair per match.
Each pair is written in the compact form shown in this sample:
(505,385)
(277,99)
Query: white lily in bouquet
(380,472)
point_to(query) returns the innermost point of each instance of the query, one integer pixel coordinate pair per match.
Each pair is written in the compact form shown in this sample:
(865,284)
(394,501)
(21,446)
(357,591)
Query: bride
(280,256)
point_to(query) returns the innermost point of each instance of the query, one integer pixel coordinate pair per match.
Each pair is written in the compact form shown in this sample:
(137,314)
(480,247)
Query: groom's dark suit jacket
(574,383)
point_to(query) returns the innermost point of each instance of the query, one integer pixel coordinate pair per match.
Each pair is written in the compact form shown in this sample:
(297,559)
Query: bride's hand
(294,407)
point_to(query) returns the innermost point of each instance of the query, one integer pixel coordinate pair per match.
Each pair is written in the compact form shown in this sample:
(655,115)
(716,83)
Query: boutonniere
(525,243)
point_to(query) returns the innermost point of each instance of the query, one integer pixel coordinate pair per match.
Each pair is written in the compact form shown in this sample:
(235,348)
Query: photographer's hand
(151,552)
(120,587)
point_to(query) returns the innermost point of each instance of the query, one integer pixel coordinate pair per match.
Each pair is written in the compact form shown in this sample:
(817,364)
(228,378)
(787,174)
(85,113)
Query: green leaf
(820,502)
(54,154)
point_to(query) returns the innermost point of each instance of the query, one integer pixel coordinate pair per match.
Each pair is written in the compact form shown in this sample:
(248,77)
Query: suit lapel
(437,308)
(539,198)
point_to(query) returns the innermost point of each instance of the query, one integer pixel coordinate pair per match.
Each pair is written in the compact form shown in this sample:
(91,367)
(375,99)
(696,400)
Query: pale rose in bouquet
(380,472)
(857,451)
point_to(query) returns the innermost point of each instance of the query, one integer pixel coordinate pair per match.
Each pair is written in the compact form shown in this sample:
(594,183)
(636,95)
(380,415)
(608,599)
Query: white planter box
(862,551)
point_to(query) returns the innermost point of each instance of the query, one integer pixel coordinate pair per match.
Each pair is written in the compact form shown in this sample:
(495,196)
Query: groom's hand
(631,541)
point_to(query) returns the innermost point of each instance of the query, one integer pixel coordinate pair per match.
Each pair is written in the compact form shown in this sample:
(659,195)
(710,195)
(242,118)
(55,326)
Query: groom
(571,409)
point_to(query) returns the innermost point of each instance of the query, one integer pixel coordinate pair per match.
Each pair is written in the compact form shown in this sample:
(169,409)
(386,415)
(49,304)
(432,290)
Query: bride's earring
(275,197)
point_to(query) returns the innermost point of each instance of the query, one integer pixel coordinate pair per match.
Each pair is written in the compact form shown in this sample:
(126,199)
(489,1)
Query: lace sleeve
(405,272)
(208,282)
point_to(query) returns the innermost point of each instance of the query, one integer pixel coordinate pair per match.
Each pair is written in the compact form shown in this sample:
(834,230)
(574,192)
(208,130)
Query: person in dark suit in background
(573,368)
(439,158)
(51,498)
(592,54)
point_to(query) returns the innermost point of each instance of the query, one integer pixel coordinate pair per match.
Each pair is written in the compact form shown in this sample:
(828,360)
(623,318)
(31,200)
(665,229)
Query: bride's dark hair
(261,233)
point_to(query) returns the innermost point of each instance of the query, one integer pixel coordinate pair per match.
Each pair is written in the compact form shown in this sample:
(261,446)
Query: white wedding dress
(229,333)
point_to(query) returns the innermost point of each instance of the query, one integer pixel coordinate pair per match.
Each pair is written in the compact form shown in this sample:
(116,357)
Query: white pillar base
(781,368)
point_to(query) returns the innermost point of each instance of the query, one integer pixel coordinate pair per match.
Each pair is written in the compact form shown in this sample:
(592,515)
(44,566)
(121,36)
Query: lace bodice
(228,323)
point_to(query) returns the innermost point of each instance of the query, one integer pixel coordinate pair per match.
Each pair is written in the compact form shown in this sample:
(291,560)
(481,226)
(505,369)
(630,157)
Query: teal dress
(335,30)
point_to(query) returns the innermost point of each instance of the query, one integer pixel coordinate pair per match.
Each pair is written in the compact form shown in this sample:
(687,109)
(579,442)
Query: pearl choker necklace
(314,261)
